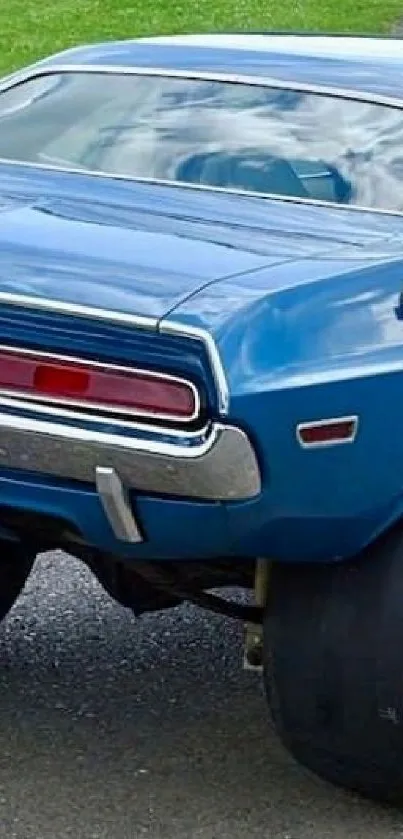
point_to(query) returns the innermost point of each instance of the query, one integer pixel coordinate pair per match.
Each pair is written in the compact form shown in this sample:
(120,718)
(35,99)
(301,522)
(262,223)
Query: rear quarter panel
(318,339)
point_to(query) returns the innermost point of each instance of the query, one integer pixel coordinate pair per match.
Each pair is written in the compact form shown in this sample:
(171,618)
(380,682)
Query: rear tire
(15,567)
(333,667)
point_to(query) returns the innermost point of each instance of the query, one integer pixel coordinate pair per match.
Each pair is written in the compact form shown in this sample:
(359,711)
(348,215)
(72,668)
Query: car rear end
(123,439)
(162,350)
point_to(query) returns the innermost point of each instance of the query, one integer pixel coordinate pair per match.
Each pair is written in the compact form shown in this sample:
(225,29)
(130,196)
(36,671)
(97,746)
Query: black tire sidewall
(333,667)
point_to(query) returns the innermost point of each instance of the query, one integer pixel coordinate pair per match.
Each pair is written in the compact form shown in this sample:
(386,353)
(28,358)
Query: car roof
(364,65)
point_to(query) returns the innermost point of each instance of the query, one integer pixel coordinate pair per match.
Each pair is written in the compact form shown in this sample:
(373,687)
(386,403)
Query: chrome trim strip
(264,81)
(60,307)
(102,412)
(330,421)
(220,465)
(104,366)
(223,190)
(116,505)
(201,75)
(172,327)
(50,413)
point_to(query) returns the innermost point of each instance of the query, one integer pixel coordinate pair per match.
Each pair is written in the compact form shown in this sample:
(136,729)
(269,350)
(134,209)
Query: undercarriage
(326,636)
(139,585)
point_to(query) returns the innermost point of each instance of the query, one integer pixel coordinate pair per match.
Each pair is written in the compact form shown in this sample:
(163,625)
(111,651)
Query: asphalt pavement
(113,727)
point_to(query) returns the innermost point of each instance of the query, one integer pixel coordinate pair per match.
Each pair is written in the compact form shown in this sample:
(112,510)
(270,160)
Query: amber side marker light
(327,432)
(86,384)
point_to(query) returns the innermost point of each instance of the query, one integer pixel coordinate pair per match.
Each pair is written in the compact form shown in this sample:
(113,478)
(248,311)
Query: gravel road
(116,728)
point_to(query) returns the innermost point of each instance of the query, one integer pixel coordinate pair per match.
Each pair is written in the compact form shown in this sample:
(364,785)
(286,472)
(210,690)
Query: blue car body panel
(330,348)
(92,255)
(302,301)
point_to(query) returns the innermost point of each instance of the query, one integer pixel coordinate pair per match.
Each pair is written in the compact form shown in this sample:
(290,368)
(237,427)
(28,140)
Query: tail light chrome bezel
(99,410)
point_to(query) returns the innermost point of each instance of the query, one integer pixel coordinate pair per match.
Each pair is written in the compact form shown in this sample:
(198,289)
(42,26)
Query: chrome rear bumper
(218,465)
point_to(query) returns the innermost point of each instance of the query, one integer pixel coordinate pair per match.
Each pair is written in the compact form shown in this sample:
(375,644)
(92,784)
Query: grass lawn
(30,29)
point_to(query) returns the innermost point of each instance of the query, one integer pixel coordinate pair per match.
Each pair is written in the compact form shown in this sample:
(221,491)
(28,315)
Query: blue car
(201,356)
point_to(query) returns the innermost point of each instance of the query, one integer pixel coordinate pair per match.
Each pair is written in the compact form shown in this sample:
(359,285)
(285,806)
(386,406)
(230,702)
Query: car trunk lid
(142,249)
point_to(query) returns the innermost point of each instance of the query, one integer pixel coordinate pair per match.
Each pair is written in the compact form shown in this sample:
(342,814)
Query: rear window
(216,133)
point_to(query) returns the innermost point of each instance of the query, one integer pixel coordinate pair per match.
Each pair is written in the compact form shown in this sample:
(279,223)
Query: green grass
(30,29)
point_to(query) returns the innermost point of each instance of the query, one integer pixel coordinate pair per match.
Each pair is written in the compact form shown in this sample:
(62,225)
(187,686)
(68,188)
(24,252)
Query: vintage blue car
(201,356)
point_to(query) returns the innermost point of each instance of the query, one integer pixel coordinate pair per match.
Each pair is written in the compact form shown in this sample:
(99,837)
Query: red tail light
(71,381)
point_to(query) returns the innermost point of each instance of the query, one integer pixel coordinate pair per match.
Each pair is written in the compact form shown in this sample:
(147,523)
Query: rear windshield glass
(253,138)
